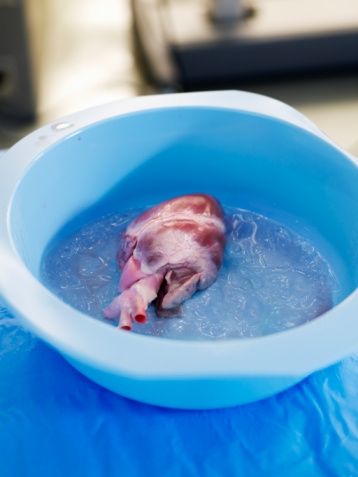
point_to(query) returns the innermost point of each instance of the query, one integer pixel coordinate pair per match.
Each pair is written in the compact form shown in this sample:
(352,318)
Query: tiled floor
(85,59)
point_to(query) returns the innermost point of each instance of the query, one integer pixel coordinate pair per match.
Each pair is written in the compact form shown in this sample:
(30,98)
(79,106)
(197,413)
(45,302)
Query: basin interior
(246,160)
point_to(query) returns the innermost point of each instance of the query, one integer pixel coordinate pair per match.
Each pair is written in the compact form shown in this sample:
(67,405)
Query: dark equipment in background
(189,44)
(17,98)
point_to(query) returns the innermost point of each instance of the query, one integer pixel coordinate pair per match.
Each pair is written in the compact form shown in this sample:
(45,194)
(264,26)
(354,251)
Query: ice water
(271,279)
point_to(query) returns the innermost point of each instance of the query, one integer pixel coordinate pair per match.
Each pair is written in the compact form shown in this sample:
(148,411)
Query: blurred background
(60,56)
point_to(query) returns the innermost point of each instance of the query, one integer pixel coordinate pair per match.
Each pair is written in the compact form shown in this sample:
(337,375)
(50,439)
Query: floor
(83,58)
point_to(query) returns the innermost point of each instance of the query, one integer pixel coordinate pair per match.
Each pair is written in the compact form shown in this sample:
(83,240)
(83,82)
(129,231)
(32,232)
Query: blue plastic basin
(248,150)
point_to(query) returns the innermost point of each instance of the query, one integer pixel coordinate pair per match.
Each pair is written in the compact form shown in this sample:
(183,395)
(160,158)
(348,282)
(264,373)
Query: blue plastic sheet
(55,422)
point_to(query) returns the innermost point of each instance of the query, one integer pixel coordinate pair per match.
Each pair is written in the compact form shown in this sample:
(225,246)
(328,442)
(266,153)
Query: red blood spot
(126,327)
(140,318)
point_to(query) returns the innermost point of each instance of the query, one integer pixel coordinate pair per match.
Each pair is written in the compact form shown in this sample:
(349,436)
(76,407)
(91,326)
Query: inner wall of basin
(245,160)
